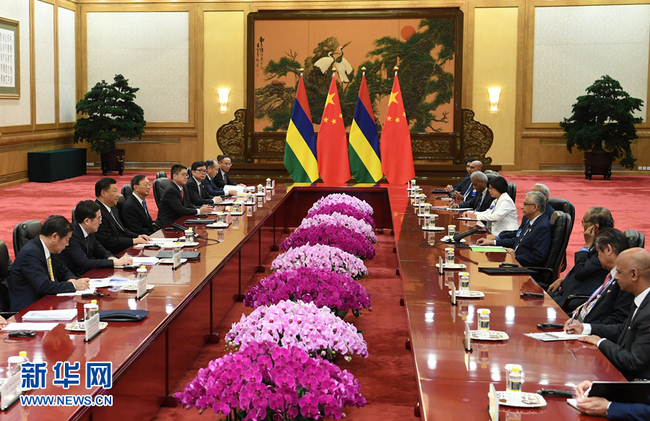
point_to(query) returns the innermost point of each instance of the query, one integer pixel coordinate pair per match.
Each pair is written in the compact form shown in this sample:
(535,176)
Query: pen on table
(573,317)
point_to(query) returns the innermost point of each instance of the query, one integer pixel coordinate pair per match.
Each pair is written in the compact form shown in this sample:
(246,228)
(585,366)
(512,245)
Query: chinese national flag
(395,145)
(332,144)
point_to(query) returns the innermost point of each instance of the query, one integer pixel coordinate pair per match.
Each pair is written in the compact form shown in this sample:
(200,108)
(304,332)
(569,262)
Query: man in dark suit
(468,192)
(135,213)
(112,233)
(35,274)
(530,247)
(84,252)
(548,211)
(221,179)
(587,274)
(482,198)
(212,170)
(175,200)
(626,345)
(196,187)
(608,304)
(618,411)
(462,185)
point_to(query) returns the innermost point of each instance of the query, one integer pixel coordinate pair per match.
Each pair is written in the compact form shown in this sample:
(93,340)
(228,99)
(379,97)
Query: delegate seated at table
(175,201)
(626,345)
(502,213)
(531,245)
(84,252)
(616,411)
(587,274)
(35,274)
(135,213)
(608,304)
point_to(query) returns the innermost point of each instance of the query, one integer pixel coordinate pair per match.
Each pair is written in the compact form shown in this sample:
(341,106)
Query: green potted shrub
(111,114)
(602,126)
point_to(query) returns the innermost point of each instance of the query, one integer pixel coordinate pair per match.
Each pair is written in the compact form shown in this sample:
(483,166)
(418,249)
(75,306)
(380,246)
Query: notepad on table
(46,315)
(36,327)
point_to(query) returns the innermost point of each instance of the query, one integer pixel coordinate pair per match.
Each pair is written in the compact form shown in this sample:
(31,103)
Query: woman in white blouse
(502,214)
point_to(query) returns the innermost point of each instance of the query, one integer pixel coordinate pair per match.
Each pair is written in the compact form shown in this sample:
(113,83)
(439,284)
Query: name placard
(10,391)
(91,326)
(176,259)
(141,286)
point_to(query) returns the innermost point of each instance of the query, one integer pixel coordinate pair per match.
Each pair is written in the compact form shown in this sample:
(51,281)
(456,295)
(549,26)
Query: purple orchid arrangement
(334,198)
(339,292)
(343,209)
(356,225)
(298,324)
(267,382)
(333,235)
(320,256)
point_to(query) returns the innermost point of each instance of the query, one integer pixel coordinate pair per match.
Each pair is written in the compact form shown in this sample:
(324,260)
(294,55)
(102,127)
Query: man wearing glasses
(531,245)
(84,252)
(195,185)
(221,179)
(175,200)
(587,274)
(135,213)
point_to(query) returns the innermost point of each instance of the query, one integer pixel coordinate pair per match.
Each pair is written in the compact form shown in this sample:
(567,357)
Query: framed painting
(9,59)
(426,45)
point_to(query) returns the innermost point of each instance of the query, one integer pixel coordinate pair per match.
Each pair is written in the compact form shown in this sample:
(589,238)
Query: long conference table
(185,307)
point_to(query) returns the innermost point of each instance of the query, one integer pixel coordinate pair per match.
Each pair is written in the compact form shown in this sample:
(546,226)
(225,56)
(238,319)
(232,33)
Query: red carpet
(387,376)
(626,197)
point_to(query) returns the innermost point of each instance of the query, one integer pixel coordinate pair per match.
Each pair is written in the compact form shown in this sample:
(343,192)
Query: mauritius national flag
(300,147)
(363,148)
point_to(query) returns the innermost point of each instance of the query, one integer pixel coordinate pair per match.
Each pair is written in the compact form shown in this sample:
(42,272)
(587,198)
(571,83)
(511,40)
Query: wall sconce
(494,94)
(224,93)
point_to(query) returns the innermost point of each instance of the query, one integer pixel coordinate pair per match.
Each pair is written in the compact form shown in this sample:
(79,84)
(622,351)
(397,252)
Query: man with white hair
(481,199)
(547,193)
(530,247)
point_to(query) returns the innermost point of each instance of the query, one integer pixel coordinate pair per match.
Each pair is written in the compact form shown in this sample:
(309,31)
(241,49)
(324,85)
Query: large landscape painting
(424,44)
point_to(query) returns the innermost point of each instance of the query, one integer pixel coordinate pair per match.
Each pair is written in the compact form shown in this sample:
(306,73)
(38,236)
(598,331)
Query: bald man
(467,194)
(626,345)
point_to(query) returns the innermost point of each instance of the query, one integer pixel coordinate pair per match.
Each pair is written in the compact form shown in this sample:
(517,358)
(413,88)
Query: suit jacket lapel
(623,338)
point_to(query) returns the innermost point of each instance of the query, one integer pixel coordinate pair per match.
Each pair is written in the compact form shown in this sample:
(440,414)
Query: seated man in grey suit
(84,252)
(196,186)
(135,213)
(608,304)
(35,274)
(481,199)
(626,345)
(175,200)
(112,233)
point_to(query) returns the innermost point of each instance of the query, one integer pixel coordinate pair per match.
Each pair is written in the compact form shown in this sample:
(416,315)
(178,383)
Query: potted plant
(111,114)
(602,126)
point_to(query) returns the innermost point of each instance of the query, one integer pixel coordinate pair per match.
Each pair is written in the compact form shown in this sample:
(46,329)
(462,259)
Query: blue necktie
(144,205)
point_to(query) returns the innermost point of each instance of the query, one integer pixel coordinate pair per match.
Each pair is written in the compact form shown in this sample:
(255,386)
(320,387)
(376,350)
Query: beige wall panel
(67,77)
(574,46)
(151,50)
(495,65)
(44,62)
(14,112)
(224,67)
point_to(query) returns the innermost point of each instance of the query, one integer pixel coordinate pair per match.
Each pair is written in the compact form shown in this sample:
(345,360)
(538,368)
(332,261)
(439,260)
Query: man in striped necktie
(626,345)
(608,303)
(35,274)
